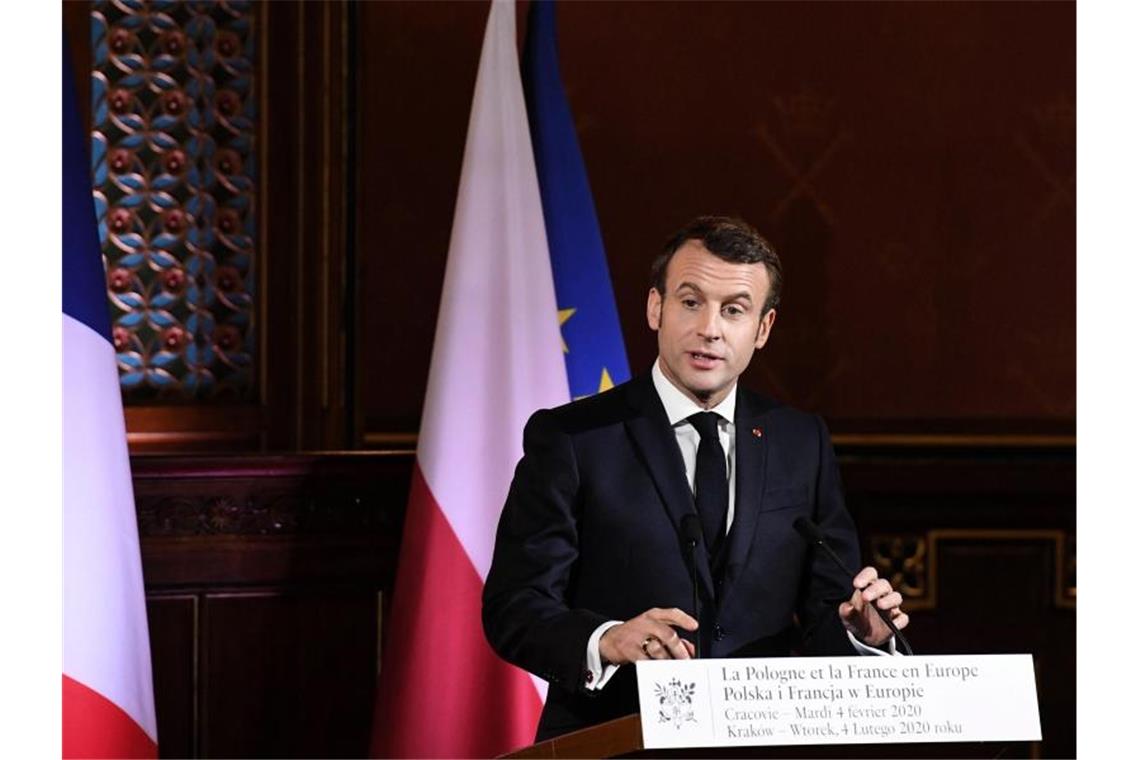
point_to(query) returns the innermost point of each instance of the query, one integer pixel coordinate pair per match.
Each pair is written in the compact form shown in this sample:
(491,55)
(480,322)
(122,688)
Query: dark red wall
(913,162)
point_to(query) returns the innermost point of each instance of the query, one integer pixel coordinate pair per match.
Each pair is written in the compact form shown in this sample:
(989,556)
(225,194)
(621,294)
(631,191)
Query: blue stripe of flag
(578,259)
(84,279)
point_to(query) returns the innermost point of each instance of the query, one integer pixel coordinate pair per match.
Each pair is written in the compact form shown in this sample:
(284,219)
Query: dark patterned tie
(711,482)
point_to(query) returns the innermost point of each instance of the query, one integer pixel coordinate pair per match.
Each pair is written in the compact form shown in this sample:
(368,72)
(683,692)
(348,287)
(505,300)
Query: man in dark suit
(590,571)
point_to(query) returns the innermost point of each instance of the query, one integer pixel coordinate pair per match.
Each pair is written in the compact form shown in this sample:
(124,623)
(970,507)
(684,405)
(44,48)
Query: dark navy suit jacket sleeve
(525,612)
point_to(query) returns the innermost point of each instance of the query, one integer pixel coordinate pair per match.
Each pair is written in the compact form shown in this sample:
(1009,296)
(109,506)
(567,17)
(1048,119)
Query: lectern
(622,738)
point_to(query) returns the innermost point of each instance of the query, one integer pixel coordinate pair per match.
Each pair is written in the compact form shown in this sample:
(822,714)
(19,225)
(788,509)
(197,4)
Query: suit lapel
(751,458)
(656,441)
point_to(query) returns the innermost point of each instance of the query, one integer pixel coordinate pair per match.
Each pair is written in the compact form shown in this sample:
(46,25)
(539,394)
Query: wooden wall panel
(308,179)
(285,673)
(267,575)
(996,594)
(412,129)
(981,541)
(173,623)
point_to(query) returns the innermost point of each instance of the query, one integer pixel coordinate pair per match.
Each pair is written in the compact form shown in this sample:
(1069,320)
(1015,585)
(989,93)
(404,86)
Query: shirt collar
(679,407)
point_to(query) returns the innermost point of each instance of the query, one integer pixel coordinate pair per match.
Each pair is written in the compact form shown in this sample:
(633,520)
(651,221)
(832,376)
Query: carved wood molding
(307,495)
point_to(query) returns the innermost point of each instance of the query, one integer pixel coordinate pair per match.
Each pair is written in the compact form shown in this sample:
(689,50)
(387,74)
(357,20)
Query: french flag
(497,358)
(108,697)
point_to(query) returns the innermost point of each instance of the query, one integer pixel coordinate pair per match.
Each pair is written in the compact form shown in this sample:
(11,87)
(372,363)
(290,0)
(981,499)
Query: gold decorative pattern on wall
(901,559)
(910,561)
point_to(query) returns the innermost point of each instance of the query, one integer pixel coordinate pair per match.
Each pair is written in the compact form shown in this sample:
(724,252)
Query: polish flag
(497,358)
(108,697)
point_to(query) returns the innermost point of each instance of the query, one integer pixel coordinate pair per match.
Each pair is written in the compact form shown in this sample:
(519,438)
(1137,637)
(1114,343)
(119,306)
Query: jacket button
(718,632)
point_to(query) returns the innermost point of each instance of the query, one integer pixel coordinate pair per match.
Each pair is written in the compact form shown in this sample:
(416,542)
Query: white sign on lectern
(837,700)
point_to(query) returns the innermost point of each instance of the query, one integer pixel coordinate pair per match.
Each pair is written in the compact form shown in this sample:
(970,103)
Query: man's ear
(653,310)
(765,328)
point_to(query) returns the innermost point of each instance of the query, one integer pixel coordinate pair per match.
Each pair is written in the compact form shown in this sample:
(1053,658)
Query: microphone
(691,532)
(813,535)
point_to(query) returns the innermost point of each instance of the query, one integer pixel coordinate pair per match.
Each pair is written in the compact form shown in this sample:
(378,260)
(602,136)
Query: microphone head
(809,530)
(691,529)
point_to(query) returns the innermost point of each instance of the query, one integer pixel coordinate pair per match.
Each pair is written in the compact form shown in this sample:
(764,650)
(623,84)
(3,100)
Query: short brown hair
(727,238)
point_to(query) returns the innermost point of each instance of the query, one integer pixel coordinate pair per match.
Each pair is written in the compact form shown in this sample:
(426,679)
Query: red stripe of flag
(94,726)
(438,589)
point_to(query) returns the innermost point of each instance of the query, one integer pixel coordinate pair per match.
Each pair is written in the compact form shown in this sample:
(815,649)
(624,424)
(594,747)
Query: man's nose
(710,327)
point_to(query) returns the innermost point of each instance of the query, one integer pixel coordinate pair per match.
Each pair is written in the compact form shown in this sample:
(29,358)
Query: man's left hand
(858,616)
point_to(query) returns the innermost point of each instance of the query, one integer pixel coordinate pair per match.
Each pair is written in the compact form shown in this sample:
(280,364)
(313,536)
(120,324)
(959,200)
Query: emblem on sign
(675,702)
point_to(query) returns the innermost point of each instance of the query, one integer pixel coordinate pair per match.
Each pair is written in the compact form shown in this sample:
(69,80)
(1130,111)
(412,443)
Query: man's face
(708,321)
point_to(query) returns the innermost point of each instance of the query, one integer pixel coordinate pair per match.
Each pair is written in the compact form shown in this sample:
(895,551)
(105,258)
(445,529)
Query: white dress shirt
(678,408)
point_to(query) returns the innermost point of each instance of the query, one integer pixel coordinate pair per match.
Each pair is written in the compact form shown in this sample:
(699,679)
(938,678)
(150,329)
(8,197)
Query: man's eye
(733,311)
(689,303)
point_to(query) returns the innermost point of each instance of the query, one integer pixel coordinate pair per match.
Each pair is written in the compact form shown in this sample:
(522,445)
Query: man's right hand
(649,636)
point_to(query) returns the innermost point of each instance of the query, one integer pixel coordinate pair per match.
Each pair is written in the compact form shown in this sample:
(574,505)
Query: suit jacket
(590,533)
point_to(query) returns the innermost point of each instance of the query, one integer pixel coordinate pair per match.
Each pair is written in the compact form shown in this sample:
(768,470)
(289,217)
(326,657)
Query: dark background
(914,164)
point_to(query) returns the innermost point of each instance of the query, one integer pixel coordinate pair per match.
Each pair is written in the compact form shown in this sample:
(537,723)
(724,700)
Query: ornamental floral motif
(173,159)
(675,702)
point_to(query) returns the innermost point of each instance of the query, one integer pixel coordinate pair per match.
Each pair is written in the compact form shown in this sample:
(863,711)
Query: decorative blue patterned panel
(173,159)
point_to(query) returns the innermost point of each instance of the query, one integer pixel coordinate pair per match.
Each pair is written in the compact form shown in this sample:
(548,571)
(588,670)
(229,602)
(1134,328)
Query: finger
(684,649)
(632,640)
(901,620)
(678,650)
(649,647)
(674,616)
(670,640)
(691,647)
(864,577)
(851,619)
(876,589)
(890,602)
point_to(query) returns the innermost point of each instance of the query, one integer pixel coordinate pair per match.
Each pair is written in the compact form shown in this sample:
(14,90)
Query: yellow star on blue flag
(591,342)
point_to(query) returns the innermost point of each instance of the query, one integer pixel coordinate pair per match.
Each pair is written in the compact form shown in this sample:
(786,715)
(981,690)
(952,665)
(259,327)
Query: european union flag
(594,349)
